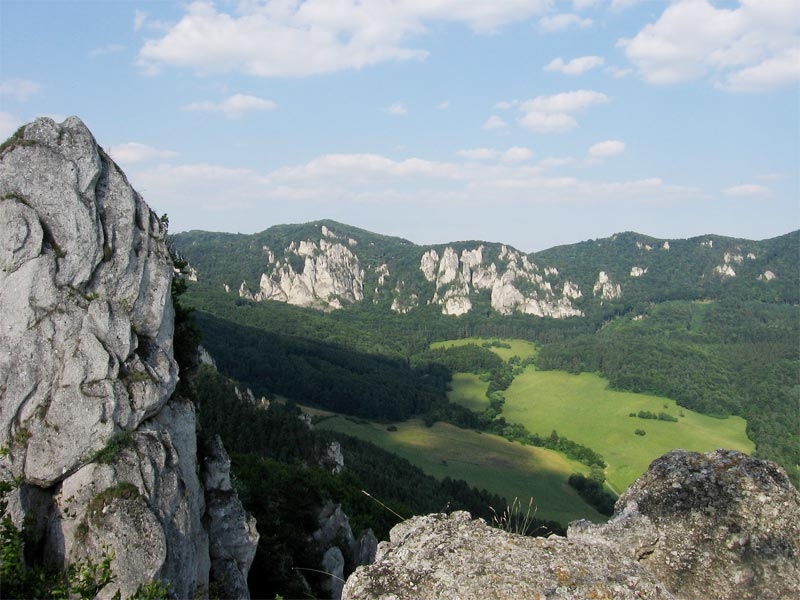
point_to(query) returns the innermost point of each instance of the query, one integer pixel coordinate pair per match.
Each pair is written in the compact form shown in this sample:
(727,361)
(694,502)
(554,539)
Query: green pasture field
(520,348)
(582,408)
(482,460)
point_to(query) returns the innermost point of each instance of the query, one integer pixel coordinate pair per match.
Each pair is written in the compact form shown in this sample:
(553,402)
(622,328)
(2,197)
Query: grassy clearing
(482,460)
(582,408)
(520,348)
(468,390)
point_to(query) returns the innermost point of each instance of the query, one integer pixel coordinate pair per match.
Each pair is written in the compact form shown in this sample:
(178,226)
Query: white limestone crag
(104,455)
(514,283)
(85,297)
(330,276)
(724,270)
(605,288)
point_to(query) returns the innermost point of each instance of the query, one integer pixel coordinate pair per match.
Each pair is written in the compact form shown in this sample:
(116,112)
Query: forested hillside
(711,322)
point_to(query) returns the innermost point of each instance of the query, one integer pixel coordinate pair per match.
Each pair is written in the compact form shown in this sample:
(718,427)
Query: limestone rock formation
(232,532)
(606,289)
(105,454)
(513,281)
(330,274)
(695,526)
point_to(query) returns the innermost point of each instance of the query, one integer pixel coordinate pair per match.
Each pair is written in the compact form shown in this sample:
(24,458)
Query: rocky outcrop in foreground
(105,455)
(695,526)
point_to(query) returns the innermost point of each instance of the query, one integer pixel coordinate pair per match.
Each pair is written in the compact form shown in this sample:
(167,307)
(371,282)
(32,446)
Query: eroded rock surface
(695,526)
(105,454)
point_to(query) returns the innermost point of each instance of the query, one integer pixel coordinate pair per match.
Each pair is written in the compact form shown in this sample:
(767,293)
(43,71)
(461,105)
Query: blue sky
(530,122)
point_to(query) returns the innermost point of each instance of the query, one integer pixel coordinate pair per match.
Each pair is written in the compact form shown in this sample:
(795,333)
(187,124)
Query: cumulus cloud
(607,148)
(506,104)
(517,154)
(750,48)
(19,89)
(297,39)
(385,186)
(552,114)
(542,122)
(748,190)
(398,109)
(577,66)
(494,122)
(563,21)
(478,154)
(619,72)
(233,106)
(134,152)
(619,4)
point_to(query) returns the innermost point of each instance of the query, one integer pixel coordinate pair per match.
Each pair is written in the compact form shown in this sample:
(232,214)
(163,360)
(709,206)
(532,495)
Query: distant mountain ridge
(328,266)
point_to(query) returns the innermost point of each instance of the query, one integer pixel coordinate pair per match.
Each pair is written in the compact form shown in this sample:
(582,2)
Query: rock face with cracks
(695,526)
(105,454)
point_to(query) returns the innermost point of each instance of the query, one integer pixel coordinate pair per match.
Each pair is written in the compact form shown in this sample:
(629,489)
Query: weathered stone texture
(106,456)
(695,526)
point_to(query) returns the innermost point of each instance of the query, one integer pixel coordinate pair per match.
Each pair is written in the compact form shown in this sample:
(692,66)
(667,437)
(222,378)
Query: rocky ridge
(104,453)
(695,526)
(330,266)
(327,274)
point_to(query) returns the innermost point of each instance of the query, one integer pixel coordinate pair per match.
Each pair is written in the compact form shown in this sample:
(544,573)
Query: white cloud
(748,190)
(495,122)
(542,122)
(443,105)
(555,162)
(620,4)
(398,109)
(506,104)
(565,102)
(19,89)
(772,73)
(517,154)
(297,39)
(478,154)
(619,72)
(134,152)
(577,66)
(562,22)
(607,148)
(240,199)
(584,4)
(750,48)
(551,114)
(233,106)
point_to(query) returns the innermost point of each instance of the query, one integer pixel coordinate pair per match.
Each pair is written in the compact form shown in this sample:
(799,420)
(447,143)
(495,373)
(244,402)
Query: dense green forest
(275,463)
(718,345)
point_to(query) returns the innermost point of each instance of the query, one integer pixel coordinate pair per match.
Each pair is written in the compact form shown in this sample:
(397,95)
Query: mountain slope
(329,266)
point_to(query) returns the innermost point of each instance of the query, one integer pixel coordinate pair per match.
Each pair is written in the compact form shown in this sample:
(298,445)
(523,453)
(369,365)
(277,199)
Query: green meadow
(482,460)
(582,408)
(520,348)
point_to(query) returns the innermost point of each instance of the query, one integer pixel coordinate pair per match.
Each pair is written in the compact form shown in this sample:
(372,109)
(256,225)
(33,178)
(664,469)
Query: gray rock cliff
(695,526)
(104,452)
